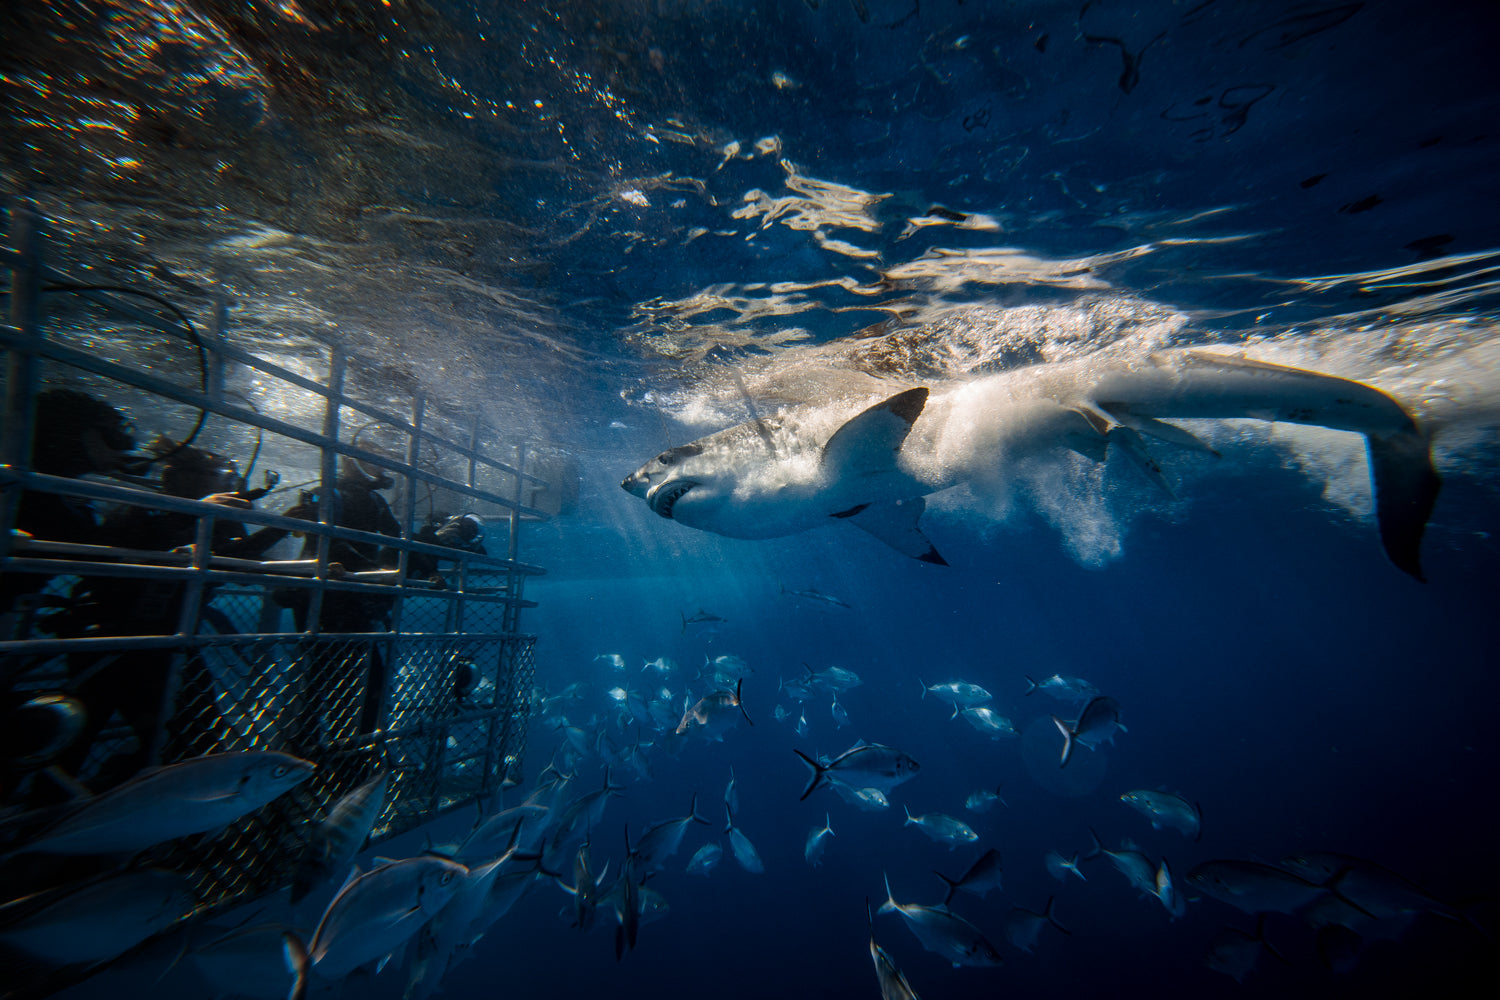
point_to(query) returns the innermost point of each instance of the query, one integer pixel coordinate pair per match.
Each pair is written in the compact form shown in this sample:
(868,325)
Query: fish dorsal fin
(867,444)
(895,523)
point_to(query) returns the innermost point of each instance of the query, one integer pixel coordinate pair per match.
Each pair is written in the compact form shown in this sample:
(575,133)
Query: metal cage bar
(367,676)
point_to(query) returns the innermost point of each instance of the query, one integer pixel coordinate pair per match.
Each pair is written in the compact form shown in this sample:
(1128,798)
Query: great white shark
(808,466)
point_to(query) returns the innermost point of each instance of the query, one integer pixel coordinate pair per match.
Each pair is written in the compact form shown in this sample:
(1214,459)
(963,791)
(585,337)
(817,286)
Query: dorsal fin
(868,443)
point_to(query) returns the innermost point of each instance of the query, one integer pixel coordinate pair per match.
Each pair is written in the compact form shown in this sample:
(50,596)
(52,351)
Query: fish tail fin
(924,688)
(951,883)
(1406,488)
(294,953)
(908,814)
(890,904)
(1073,867)
(693,811)
(1067,734)
(955,712)
(740,702)
(997,795)
(728,819)
(1052,917)
(1031,685)
(817,773)
(1096,848)
(828,825)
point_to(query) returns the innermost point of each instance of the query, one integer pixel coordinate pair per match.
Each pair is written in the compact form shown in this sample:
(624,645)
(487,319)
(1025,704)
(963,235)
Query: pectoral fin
(895,523)
(868,443)
(1406,488)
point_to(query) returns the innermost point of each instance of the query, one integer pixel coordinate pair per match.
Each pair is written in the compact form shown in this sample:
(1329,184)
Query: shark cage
(155,606)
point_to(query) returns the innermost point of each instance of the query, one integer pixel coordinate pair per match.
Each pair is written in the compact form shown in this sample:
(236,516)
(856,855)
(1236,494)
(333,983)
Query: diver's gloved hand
(227,500)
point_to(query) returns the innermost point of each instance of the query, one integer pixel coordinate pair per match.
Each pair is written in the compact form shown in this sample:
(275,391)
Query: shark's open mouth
(664,497)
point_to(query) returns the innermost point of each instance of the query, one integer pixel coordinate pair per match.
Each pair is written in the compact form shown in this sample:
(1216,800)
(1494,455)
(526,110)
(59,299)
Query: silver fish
(797,689)
(1096,724)
(866,799)
(989,722)
(983,800)
(864,765)
(1372,889)
(815,595)
(1059,867)
(982,876)
(732,793)
(800,727)
(375,913)
(893,985)
(714,714)
(812,853)
(494,832)
(663,840)
(194,796)
(1063,688)
(662,665)
(942,828)
(1022,926)
(840,715)
(246,962)
(959,694)
(832,680)
(1253,887)
(705,860)
(702,617)
(1166,809)
(1135,866)
(453,928)
(613,660)
(1167,891)
(335,842)
(744,851)
(943,933)
(99,920)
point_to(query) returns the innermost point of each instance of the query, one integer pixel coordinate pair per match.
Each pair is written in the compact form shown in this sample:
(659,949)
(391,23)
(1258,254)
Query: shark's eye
(667,458)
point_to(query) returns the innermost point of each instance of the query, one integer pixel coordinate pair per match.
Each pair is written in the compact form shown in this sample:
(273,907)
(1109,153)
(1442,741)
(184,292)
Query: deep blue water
(1269,662)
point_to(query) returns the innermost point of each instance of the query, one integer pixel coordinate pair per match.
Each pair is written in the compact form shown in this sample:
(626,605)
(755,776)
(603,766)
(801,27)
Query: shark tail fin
(817,773)
(1406,488)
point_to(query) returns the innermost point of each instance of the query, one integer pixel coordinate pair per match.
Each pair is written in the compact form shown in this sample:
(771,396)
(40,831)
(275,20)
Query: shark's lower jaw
(664,497)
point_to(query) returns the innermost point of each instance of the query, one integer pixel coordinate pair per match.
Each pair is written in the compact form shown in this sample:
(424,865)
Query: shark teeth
(664,497)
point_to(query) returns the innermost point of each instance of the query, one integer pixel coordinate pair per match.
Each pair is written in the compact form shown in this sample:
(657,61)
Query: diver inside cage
(344,682)
(134,683)
(73,435)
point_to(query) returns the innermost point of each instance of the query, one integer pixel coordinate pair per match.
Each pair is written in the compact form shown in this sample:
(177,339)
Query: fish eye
(447,877)
(279,771)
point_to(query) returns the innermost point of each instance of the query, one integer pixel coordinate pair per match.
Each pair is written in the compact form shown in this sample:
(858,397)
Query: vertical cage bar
(22,370)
